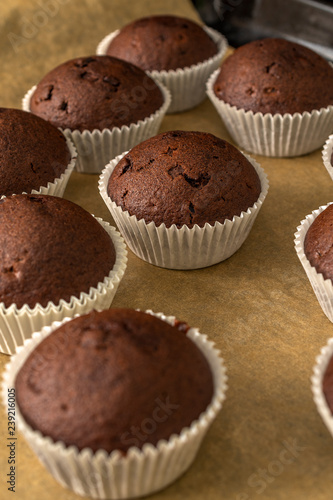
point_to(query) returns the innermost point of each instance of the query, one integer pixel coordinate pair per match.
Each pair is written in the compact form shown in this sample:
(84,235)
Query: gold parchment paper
(268,442)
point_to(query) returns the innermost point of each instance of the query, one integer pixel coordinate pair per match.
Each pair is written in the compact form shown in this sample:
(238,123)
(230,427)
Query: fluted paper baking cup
(183,248)
(187,86)
(317,384)
(327,155)
(17,325)
(323,288)
(58,186)
(273,135)
(95,149)
(139,472)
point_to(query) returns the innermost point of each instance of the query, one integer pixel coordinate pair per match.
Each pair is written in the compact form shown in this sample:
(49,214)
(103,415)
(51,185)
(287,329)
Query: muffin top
(275,76)
(182,177)
(32,152)
(318,243)
(162,43)
(95,92)
(120,378)
(51,249)
(328,384)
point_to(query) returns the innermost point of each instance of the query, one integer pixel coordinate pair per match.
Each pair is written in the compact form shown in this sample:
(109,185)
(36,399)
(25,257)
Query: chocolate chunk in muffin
(95,92)
(275,76)
(182,177)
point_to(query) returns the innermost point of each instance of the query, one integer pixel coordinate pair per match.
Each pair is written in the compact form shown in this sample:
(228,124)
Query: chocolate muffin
(328,384)
(182,177)
(120,378)
(275,76)
(162,43)
(318,243)
(98,92)
(32,152)
(51,249)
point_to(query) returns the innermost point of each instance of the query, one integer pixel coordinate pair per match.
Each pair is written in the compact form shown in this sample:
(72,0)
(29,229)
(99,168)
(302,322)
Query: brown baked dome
(182,177)
(162,43)
(32,152)
(51,249)
(95,92)
(275,76)
(328,384)
(318,243)
(121,378)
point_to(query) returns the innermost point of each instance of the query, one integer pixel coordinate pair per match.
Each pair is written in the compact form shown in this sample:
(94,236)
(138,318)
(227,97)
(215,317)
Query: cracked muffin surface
(184,178)
(95,92)
(32,152)
(51,249)
(275,76)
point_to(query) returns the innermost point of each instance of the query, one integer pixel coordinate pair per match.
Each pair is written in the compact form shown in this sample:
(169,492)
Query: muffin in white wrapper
(317,384)
(327,155)
(140,471)
(17,325)
(323,288)
(98,147)
(273,135)
(183,248)
(187,86)
(58,186)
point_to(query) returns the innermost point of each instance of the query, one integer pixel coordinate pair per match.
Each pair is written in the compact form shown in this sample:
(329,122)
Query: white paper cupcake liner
(273,135)
(317,384)
(327,154)
(95,149)
(323,288)
(58,186)
(139,472)
(184,248)
(17,325)
(187,86)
